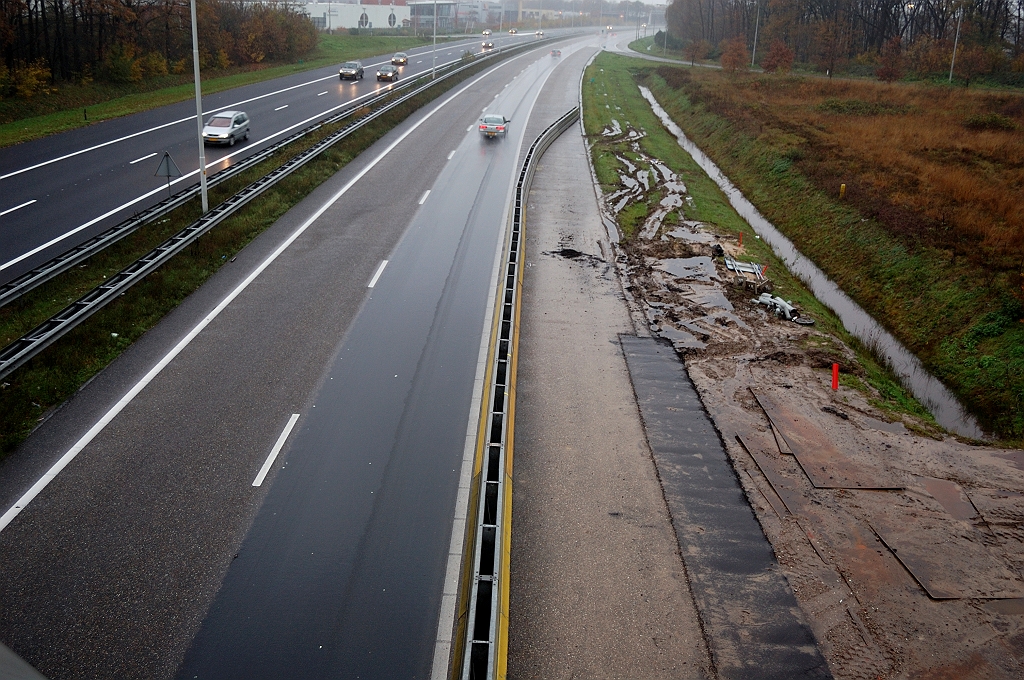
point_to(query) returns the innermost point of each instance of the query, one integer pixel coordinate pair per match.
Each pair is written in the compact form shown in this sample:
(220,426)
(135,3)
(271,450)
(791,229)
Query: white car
(487,32)
(226,127)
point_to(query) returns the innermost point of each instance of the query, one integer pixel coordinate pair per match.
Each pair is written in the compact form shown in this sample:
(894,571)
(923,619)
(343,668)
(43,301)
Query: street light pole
(199,109)
(956,42)
(757,23)
(433,50)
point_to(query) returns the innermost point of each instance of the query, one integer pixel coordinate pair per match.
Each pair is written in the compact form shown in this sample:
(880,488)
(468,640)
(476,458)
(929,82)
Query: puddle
(935,396)
(699,268)
(709,296)
(679,338)
(895,428)
(689,235)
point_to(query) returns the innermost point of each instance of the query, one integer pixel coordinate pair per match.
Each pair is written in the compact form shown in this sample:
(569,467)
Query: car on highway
(400,59)
(487,32)
(351,70)
(487,45)
(494,124)
(226,127)
(556,53)
(512,31)
(539,33)
(387,72)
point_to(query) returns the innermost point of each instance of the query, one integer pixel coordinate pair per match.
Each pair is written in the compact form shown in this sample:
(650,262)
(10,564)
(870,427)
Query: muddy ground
(905,550)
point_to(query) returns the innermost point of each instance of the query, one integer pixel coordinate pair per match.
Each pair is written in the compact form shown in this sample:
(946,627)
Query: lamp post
(433,50)
(956,41)
(199,109)
(757,23)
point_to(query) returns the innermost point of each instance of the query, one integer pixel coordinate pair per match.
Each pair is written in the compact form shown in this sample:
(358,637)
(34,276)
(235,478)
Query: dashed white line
(137,388)
(281,107)
(470,128)
(452,153)
(19,207)
(420,61)
(376,275)
(137,160)
(425,194)
(276,450)
(322,93)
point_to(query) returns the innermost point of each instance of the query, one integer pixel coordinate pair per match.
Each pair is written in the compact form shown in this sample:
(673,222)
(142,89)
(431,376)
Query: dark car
(400,59)
(493,125)
(226,127)
(512,31)
(387,72)
(488,45)
(351,70)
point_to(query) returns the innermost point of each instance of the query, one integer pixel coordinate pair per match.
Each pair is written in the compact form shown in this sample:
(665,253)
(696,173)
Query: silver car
(493,125)
(226,127)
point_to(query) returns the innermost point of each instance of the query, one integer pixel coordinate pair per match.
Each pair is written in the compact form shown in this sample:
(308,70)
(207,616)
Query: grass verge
(29,394)
(610,91)
(72,106)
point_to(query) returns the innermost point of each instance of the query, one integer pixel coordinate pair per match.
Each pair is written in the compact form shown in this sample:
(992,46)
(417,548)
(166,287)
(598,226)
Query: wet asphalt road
(92,189)
(111,571)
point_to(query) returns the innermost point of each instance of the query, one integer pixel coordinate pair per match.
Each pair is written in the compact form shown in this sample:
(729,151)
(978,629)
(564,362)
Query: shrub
(989,121)
(31,79)
(121,66)
(779,58)
(153,65)
(697,50)
(223,61)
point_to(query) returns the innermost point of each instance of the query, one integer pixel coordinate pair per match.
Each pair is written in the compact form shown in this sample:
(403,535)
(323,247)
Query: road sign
(167,169)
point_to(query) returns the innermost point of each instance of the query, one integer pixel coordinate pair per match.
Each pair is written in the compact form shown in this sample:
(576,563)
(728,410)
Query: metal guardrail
(15,288)
(35,341)
(484,649)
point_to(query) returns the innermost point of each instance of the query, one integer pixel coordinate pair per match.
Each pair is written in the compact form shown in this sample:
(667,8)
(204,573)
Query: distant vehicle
(487,45)
(493,125)
(487,32)
(387,72)
(400,59)
(556,53)
(226,127)
(609,28)
(512,31)
(351,70)
(540,33)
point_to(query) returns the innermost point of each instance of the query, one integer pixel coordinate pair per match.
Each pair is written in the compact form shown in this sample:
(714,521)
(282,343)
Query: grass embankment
(55,374)
(66,107)
(610,91)
(929,238)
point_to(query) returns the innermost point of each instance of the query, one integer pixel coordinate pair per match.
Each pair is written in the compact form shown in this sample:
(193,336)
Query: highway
(58,191)
(346,340)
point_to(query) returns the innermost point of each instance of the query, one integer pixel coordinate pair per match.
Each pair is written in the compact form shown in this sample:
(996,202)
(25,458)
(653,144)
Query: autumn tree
(779,58)
(734,55)
(697,50)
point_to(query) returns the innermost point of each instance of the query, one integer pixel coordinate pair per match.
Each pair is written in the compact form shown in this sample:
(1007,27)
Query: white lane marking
(138,160)
(276,450)
(425,194)
(114,211)
(420,61)
(17,207)
(376,275)
(281,107)
(453,150)
(483,110)
(109,416)
(322,93)
(470,128)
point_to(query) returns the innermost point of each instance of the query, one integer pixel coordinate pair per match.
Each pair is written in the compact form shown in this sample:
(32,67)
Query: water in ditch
(935,396)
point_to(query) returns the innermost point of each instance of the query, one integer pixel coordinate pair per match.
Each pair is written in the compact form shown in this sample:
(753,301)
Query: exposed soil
(913,570)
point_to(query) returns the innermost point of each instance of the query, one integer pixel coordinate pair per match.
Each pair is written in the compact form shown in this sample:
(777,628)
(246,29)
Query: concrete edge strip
(113,412)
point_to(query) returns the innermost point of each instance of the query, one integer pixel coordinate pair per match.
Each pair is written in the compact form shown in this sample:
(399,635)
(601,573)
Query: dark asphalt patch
(750,616)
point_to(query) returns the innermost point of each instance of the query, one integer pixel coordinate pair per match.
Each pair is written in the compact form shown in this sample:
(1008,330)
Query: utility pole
(757,23)
(199,109)
(433,50)
(956,42)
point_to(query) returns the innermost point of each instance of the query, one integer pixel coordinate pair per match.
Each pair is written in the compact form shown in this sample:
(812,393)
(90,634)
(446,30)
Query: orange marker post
(835,376)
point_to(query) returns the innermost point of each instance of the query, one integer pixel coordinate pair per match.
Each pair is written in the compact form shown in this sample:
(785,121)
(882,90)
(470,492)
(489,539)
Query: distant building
(421,12)
(328,16)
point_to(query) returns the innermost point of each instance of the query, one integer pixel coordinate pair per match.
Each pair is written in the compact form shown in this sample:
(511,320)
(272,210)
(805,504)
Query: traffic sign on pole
(168,169)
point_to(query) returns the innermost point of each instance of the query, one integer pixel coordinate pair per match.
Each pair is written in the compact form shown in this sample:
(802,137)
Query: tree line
(43,42)
(892,35)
